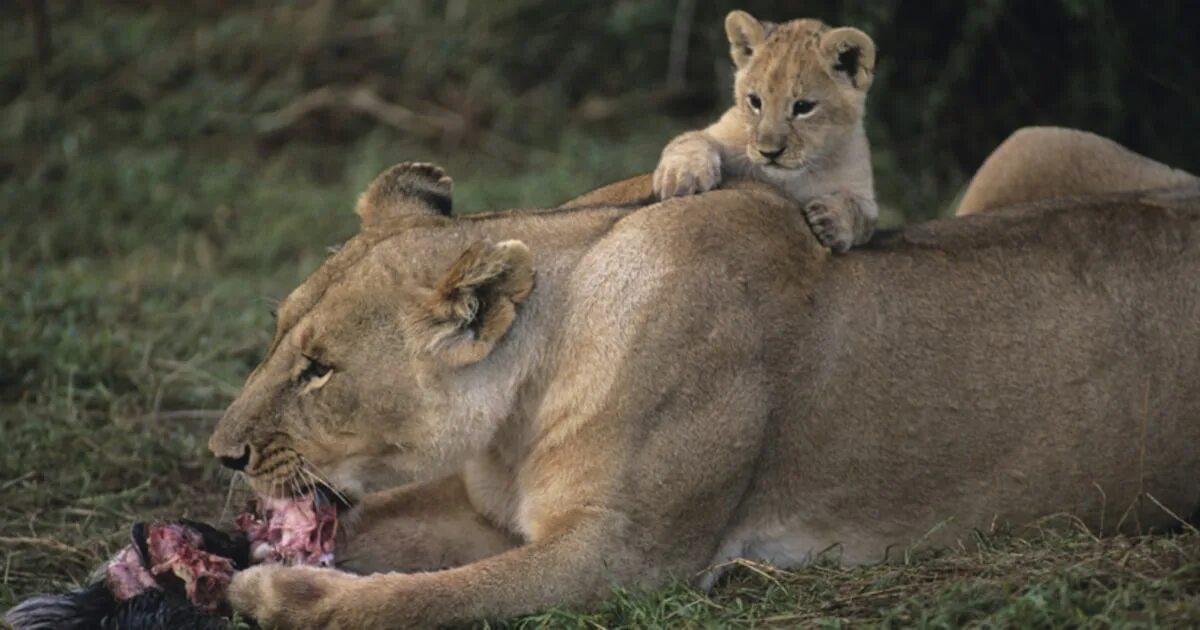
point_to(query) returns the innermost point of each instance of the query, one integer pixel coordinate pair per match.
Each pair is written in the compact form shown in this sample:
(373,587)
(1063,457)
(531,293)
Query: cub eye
(754,101)
(314,370)
(803,108)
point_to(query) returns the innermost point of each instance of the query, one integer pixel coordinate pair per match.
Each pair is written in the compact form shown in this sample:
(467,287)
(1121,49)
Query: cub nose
(771,155)
(237,463)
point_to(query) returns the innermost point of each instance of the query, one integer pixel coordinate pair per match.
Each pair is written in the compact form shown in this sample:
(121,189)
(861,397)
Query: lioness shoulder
(796,122)
(1037,163)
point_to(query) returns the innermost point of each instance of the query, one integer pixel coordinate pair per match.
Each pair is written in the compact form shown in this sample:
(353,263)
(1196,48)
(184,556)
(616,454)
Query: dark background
(494,79)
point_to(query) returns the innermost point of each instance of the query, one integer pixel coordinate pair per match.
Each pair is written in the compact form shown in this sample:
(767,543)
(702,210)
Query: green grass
(1055,580)
(148,221)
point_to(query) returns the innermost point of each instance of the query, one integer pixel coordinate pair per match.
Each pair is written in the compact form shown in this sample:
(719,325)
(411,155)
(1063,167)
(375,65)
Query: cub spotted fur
(796,122)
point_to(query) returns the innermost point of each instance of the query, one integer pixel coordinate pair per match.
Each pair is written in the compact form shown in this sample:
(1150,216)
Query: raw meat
(174,549)
(295,531)
(298,530)
(176,573)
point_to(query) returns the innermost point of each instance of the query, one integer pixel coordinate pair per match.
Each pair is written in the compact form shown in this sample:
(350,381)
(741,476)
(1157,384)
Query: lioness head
(365,376)
(800,86)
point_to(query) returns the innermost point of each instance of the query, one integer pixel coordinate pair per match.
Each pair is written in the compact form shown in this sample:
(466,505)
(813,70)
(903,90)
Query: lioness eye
(754,101)
(314,370)
(803,108)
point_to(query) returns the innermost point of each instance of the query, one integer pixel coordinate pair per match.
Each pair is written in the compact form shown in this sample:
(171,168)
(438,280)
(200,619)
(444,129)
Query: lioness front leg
(574,566)
(841,220)
(418,527)
(690,164)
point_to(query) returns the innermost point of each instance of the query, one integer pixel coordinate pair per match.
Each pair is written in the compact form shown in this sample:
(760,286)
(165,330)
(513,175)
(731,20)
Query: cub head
(381,362)
(800,87)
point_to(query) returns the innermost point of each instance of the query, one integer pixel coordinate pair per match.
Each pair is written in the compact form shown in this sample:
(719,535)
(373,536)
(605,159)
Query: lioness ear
(405,189)
(849,56)
(475,302)
(745,34)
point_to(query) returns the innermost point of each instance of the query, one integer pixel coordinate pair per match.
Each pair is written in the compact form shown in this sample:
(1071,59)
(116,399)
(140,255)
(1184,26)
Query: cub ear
(849,56)
(475,302)
(406,189)
(745,34)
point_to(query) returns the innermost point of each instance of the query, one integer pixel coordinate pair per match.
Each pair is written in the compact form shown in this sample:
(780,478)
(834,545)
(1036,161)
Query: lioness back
(630,192)
(990,370)
(1037,163)
(796,122)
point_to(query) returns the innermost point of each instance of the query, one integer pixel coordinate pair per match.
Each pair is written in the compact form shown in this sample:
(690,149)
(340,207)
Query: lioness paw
(289,597)
(686,170)
(831,220)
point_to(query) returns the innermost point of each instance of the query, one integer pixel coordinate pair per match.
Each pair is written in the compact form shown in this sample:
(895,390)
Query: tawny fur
(1040,163)
(629,193)
(700,380)
(821,158)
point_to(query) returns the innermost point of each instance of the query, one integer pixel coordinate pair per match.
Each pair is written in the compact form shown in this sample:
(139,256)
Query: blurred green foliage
(486,78)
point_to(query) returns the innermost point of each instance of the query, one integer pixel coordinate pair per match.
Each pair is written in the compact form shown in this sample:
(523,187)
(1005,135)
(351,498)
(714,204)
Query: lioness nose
(237,463)
(771,155)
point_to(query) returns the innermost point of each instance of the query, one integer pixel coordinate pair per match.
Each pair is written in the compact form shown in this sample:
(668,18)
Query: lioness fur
(1039,163)
(600,397)
(796,122)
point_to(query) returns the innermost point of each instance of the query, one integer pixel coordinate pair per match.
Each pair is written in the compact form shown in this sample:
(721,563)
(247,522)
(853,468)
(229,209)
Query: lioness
(1038,163)
(601,397)
(796,122)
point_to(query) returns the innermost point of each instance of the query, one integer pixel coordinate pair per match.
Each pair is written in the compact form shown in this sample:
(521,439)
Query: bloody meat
(294,531)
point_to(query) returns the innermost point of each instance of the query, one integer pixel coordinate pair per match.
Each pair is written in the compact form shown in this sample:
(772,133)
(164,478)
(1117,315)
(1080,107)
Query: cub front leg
(418,527)
(690,164)
(573,567)
(841,220)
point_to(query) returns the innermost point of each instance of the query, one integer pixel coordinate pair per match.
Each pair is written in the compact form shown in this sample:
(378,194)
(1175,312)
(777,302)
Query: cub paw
(686,171)
(830,219)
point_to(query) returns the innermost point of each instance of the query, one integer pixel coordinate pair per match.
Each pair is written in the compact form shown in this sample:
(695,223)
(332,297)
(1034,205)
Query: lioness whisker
(313,482)
(305,479)
(229,495)
(323,479)
(295,485)
(313,485)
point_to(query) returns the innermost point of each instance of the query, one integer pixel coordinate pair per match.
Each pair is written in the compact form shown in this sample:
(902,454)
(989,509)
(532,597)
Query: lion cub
(796,122)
